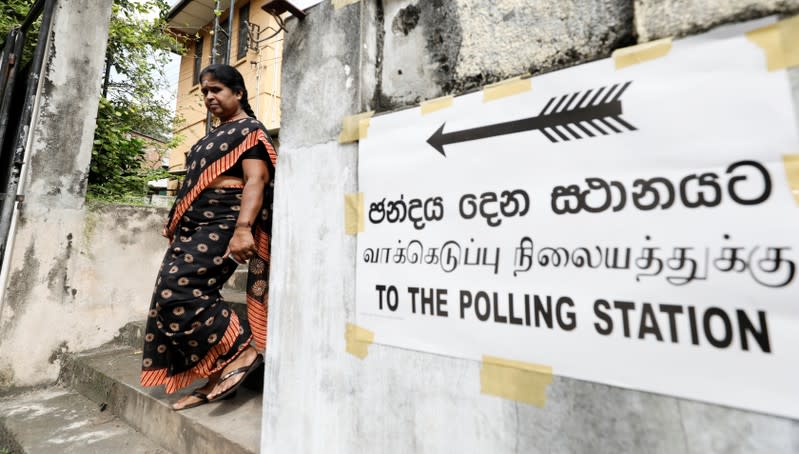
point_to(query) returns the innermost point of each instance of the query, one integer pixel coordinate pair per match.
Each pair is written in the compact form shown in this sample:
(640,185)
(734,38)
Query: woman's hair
(231,78)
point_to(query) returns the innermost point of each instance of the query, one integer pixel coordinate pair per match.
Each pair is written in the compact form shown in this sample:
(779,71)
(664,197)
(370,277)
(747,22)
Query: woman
(221,217)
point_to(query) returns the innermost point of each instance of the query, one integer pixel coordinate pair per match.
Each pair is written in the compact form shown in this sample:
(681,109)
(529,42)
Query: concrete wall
(74,284)
(386,55)
(76,275)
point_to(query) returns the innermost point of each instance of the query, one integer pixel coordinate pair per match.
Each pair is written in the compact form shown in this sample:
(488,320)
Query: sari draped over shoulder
(191,331)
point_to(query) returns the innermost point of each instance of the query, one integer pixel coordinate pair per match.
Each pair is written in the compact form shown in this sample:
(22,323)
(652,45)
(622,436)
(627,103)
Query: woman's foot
(235,372)
(197,397)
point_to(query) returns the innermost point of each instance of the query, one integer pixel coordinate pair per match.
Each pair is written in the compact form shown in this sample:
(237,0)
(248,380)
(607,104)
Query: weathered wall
(75,291)
(657,18)
(386,55)
(73,281)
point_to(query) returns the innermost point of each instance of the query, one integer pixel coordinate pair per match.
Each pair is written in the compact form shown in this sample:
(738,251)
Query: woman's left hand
(242,246)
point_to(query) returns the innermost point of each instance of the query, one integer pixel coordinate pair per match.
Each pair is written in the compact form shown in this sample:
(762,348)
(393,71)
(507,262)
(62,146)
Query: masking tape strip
(353,213)
(433,105)
(780,42)
(351,127)
(515,380)
(640,53)
(791,163)
(358,340)
(363,128)
(506,88)
(342,3)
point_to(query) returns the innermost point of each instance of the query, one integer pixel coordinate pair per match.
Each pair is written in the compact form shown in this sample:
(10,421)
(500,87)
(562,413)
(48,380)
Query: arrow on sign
(565,119)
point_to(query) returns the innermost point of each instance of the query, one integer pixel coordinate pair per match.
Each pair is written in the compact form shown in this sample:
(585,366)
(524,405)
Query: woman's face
(219,99)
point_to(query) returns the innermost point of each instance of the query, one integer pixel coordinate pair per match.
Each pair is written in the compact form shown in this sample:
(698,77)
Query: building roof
(189,16)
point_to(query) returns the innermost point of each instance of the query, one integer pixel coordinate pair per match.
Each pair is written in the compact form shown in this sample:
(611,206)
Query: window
(244,17)
(221,42)
(198,59)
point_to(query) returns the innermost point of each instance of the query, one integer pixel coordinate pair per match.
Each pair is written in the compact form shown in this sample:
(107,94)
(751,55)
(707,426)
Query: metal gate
(19,82)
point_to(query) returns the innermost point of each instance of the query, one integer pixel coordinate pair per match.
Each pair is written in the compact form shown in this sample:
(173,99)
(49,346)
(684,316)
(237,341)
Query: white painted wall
(319,398)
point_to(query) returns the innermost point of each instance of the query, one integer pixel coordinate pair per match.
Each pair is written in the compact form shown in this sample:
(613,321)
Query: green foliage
(117,167)
(138,50)
(12,14)
(137,53)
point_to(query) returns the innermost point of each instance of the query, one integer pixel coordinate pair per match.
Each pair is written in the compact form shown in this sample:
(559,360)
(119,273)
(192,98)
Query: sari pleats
(204,368)
(191,331)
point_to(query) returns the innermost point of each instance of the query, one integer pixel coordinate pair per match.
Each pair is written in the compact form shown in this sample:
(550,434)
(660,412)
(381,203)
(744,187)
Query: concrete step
(110,377)
(60,421)
(237,282)
(237,300)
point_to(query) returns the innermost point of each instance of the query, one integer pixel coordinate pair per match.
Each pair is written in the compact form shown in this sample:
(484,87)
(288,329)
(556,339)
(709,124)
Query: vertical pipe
(33,84)
(107,75)
(9,229)
(213,58)
(14,44)
(230,30)
(275,81)
(6,256)
(258,86)
(16,171)
(12,39)
(33,13)
(23,129)
(215,40)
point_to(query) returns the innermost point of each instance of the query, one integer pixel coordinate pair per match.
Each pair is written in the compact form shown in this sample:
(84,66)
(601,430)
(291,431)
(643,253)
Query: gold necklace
(234,119)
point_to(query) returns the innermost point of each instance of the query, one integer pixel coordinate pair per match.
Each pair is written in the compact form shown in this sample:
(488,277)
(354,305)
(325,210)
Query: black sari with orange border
(191,331)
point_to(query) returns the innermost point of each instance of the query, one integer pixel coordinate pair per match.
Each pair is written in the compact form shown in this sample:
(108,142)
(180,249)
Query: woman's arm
(256,175)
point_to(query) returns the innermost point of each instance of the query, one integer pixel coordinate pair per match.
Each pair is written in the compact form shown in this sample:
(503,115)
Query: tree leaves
(138,47)
(137,52)
(12,14)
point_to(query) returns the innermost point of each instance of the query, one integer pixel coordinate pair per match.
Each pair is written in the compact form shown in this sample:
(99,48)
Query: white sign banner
(633,227)
(304,4)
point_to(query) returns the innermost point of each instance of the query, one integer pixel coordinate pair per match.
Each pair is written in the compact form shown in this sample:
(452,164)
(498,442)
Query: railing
(19,84)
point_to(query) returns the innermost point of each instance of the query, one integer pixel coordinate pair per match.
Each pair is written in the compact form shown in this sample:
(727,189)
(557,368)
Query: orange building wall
(261,71)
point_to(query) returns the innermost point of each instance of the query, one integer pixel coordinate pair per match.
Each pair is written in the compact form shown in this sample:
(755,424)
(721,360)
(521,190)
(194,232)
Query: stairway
(97,406)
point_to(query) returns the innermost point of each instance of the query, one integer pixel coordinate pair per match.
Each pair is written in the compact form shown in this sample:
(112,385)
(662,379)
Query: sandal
(246,370)
(255,382)
(198,394)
